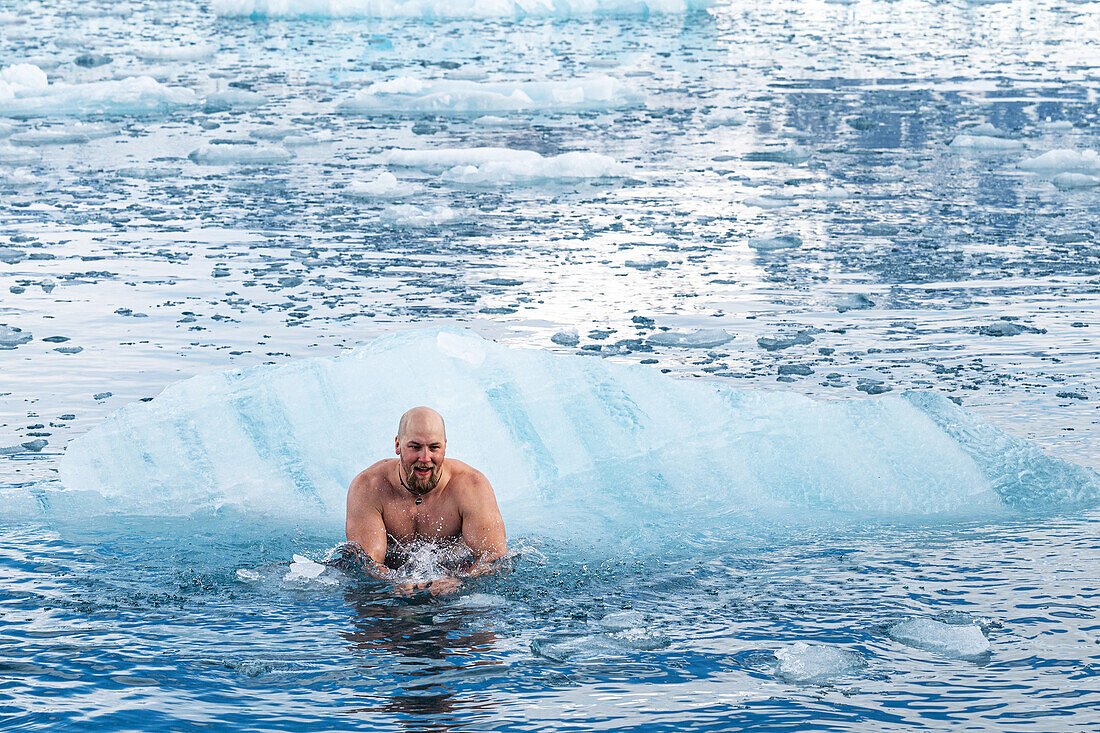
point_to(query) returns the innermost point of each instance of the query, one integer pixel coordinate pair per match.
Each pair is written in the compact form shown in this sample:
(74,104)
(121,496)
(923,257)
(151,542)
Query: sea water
(773,325)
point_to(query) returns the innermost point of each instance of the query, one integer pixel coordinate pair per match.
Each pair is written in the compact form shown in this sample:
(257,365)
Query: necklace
(419,497)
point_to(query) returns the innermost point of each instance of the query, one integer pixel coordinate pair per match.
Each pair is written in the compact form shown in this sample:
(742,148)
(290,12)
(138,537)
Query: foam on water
(548,430)
(454,9)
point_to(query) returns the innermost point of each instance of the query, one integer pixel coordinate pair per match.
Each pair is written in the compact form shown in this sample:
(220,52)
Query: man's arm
(483,527)
(365,530)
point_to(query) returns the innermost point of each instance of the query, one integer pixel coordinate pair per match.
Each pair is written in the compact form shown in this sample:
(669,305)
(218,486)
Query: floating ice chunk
(804,663)
(285,441)
(768,202)
(1057,126)
(726,118)
(480,600)
(151,173)
(832,193)
(441,159)
(233,100)
(623,620)
(1067,181)
(26,93)
(949,640)
(18,177)
(496,121)
(566,338)
(704,338)
(1063,160)
(301,141)
(172,52)
(986,129)
(67,135)
(383,186)
(248,575)
(790,154)
(985,143)
(272,133)
(782,241)
(304,570)
(453,9)
(231,154)
(853,301)
(407,215)
(471,97)
(10,337)
(11,155)
(513,169)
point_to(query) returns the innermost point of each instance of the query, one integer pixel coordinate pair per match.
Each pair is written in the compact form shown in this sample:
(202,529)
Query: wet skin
(424,496)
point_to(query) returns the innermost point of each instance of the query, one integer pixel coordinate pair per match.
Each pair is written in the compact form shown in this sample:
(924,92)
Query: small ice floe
(504,166)
(704,338)
(1070,181)
(597,647)
(790,154)
(782,241)
(18,177)
(880,229)
(774,201)
(173,51)
(778,343)
(10,337)
(964,641)
(986,143)
(725,118)
(71,133)
(248,575)
(832,193)
(853,301)
(233,100)
(11,155)
(304,570)
(480,600)
(407,215)
(25,92)
(1007,328)
(462,97)
(383,186)
(566,338)
(1063,160)
(496,121)
(816,664)
(234,154)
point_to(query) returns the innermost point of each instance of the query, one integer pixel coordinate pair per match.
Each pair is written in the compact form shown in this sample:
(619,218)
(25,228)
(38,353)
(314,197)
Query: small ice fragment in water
(384,185)
(34,446)
(566,338)
(1063,160)
(623,620)
(1066,181)
(248,575)
(984,143)
(233,99)
(783,241)
(413,216)
(704,338)
(1007,328)
(816,663)
(304,569)
(10,337)
(949,640)
(229,154)
(880,229)
(854,301)
(726,118)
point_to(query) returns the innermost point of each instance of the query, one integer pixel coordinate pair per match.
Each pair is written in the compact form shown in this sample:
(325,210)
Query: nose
(424,456)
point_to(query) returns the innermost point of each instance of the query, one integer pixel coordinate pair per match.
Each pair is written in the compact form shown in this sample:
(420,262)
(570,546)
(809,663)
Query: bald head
(421,420)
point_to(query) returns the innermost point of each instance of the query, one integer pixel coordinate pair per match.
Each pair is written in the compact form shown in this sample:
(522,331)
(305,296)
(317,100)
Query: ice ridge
(548,430)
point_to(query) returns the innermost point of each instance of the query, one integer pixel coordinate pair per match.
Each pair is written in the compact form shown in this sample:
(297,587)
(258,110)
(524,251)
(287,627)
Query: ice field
(774,326)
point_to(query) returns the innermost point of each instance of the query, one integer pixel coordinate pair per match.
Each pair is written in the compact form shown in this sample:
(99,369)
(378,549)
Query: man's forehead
(422,425)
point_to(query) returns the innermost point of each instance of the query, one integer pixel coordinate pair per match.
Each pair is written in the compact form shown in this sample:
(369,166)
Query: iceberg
(549,430)
(453,9)
(464,97)
(25,92)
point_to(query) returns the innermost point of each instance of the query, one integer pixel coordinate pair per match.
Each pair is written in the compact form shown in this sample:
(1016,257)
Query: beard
(422,485)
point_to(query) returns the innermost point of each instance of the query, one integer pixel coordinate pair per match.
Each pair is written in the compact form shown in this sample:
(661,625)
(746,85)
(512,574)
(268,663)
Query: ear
(397,444)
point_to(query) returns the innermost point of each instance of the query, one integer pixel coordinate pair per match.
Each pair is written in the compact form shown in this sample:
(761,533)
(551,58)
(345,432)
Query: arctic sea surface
(773,324)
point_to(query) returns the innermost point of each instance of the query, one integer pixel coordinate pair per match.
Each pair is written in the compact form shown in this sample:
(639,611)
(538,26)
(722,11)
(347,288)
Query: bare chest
(408,521)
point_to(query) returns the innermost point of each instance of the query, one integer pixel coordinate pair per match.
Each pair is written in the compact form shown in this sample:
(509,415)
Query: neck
(405,485)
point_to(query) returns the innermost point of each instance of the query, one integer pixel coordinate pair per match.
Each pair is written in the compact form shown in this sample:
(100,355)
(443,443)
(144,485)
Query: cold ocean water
(773,325)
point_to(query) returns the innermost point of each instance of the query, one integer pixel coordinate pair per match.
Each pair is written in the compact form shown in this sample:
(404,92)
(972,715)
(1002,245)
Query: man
(420,497)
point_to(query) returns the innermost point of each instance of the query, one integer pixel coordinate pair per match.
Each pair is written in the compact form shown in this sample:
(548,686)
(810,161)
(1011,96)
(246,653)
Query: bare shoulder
(372,481)
(467,481)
